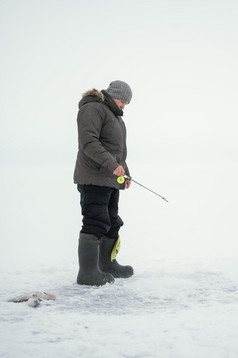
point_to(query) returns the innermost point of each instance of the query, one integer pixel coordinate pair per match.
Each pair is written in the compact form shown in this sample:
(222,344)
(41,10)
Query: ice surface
(177,305)
(169,308)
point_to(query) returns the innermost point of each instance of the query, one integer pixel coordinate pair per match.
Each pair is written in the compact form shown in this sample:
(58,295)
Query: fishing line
(121,180)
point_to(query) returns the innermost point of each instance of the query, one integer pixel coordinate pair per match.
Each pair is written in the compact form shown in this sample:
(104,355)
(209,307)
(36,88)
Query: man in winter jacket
(100,161)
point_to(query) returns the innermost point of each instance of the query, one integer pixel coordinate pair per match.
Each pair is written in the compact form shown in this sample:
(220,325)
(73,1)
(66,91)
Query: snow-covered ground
(182,301)
(169,308)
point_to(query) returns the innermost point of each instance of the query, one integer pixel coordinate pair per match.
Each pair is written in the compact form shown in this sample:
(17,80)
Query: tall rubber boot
(109,264)
(88,253)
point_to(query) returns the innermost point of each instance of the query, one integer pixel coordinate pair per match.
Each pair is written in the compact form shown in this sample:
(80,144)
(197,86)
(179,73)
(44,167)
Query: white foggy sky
(179,57)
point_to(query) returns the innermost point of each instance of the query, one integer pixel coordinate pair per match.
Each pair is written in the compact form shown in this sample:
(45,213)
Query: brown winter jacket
(101,141)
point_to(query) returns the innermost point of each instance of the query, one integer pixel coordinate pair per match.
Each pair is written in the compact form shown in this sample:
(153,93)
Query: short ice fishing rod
(121,180)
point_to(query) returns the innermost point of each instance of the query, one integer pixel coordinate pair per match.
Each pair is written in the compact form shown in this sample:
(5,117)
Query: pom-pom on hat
(120,90)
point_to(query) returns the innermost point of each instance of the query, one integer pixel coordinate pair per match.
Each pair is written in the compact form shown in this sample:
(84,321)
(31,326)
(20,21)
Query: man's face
(121,104)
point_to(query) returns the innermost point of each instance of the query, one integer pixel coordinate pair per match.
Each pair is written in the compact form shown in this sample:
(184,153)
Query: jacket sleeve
(127,170)
(90,122)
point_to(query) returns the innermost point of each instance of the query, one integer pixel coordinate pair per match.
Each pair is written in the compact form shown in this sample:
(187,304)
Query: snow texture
(182,301)
(167,309)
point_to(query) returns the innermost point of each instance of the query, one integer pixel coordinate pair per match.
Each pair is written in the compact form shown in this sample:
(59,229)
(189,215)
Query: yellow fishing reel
(120,180)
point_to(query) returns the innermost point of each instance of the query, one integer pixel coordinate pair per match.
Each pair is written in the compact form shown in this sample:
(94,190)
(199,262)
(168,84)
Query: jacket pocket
(117,157)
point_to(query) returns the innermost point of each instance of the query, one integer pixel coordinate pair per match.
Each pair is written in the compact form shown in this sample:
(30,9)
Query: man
(100,161)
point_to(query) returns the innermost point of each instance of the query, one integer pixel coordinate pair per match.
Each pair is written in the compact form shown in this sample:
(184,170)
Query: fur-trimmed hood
(102,96)
(94,93)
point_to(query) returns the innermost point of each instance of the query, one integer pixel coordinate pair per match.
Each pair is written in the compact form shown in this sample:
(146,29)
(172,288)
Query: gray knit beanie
(120,90)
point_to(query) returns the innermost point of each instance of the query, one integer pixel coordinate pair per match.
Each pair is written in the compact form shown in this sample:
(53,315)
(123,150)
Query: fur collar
(94,93)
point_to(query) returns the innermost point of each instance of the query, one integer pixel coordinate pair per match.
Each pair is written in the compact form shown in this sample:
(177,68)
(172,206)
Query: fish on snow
(33,299)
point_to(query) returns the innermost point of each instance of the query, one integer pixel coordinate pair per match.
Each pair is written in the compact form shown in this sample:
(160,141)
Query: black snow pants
(99,206)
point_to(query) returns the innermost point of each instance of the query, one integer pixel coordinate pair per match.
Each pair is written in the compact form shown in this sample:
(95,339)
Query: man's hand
(127,184)
(119,171)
